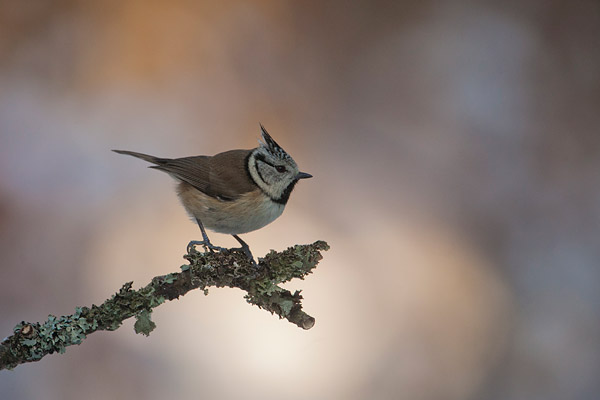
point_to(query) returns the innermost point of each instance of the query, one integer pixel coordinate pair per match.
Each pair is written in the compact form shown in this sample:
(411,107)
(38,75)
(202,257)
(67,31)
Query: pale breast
(251,211)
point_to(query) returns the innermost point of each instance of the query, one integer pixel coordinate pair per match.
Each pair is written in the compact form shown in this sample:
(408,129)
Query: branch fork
(32,341)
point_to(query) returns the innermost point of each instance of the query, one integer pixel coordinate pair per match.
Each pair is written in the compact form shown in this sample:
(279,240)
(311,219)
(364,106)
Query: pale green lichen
(143,323)
(32,341)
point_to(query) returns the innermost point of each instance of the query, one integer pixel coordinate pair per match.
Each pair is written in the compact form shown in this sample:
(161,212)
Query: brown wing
(223,176)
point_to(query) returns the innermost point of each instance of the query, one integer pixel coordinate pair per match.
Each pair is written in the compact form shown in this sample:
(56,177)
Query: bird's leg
(205,242)
(245,248)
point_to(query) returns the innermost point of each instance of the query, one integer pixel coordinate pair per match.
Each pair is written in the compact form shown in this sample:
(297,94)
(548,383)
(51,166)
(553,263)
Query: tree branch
(32,341)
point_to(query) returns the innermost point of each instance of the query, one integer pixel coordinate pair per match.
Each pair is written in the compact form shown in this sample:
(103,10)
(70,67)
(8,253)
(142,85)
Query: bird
(233,192)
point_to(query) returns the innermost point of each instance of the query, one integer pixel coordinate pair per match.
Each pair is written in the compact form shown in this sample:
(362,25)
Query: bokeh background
(455,149)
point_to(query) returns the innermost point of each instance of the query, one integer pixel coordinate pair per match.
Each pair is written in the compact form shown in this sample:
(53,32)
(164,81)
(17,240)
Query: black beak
(303,175)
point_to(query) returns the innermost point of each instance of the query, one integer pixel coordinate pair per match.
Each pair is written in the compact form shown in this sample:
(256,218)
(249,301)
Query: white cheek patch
(274,184)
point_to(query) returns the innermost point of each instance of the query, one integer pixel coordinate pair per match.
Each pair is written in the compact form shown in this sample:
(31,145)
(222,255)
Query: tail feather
(145,157)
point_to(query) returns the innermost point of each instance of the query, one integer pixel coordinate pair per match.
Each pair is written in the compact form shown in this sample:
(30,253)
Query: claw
(246,249)
(207,246)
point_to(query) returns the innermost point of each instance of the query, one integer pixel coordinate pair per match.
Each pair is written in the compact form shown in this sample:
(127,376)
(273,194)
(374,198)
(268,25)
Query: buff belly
(251,211)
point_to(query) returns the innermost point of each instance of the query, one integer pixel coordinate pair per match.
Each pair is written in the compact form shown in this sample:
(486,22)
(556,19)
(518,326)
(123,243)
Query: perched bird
(233,192)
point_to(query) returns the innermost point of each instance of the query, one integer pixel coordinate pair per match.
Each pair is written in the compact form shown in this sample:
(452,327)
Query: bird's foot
(207,246)
(247,252)
(245,249)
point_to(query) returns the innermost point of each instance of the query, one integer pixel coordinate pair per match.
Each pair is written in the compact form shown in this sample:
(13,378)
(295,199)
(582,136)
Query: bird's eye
(280,168)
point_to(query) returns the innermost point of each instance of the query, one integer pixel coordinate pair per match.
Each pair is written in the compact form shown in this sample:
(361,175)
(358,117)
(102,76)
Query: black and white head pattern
(272,169)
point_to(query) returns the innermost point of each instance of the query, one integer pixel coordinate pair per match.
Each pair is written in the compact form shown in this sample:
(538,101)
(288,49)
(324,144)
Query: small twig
(32,341)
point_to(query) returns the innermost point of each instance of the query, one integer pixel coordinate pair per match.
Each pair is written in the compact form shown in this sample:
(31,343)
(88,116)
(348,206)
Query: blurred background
(455,150)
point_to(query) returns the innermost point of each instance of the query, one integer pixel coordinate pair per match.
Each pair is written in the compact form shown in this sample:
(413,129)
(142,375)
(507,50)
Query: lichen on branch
(32,341)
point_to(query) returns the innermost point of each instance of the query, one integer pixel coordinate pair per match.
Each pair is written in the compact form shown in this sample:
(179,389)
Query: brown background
(456,154)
